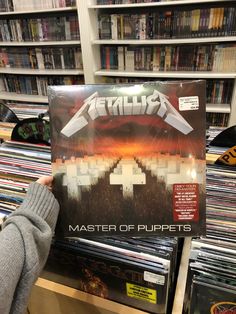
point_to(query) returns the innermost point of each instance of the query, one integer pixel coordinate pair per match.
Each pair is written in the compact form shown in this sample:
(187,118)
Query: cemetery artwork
(129,159)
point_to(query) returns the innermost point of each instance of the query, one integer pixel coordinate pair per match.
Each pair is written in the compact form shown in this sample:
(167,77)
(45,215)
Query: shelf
(176,74)
(39,43)
(154,4)
(173,41)
(23,97)
(66,9)
(41,72)
(211,158)
(99,303)
(219,108)
(182,277)
(5,133)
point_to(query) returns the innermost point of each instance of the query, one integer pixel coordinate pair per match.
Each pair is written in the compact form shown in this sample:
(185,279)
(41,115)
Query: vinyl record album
(7,115)
(32,130)
(226,138)
(228,157)
(159,152)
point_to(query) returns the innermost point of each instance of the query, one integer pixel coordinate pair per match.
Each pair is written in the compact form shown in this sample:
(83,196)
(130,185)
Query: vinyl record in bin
(32,130)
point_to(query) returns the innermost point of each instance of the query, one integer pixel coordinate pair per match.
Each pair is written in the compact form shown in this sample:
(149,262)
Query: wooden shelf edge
(182,277)
(86,297)
(211,158)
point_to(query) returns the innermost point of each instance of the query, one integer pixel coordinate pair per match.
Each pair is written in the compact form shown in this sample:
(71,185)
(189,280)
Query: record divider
(211,158)
(182,277)
(6,130)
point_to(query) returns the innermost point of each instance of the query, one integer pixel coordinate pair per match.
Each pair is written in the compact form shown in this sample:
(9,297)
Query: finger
(45,180)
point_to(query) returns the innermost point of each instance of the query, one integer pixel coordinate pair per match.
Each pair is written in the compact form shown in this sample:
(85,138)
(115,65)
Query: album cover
(129,159)
(212,299)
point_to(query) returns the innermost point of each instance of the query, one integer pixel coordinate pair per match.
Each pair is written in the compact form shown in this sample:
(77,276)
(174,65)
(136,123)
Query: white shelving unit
(220,108)
(41,72)
(90,44)
(55,10)
(39,43)
(168,74)
(4,95)
(232,117)
(176,41)
(24,97)
(154,4)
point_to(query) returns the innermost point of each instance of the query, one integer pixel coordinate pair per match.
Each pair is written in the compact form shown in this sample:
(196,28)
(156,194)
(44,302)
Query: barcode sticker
(188,103)
(154,278)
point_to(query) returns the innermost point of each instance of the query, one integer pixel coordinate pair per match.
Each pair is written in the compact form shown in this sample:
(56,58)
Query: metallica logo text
(154,104)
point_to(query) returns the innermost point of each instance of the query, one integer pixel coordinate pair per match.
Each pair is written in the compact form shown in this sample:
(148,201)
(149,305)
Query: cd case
(129,159)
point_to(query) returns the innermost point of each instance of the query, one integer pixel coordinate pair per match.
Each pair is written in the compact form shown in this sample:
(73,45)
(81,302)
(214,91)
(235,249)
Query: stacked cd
(20,164)
(139,272)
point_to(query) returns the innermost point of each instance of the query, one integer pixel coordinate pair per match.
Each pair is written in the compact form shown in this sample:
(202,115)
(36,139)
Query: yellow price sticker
(141,293)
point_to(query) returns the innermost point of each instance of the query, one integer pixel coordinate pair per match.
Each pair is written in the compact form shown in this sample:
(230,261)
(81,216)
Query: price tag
(188,103)
(154,278)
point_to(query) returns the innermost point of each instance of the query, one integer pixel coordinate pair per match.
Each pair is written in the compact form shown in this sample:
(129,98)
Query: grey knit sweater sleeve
(24,246)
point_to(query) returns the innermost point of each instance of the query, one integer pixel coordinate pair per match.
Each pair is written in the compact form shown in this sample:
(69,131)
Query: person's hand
(46,180)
